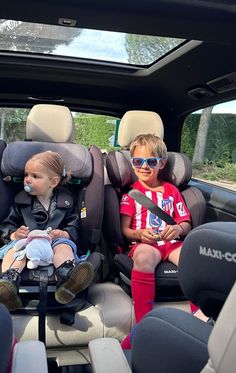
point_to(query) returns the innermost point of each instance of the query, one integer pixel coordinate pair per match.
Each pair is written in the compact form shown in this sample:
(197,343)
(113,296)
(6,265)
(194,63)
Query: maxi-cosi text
(217,254)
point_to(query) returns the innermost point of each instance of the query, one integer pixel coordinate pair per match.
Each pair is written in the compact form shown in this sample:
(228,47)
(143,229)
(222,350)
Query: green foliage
(214,172)
(95,129)
(14,123)
(221,138)
(144,50)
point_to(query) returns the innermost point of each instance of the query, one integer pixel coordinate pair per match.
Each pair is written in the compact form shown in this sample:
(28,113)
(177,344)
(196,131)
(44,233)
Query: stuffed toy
(36,247)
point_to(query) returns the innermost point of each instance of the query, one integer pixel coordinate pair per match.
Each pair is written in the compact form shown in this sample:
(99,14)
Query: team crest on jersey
(167,205)
(181,209)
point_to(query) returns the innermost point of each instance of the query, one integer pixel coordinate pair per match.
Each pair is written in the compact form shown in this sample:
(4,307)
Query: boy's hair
(153,143)
(54,163)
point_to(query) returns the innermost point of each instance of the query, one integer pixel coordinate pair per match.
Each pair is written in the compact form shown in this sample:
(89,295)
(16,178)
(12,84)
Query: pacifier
(28,188)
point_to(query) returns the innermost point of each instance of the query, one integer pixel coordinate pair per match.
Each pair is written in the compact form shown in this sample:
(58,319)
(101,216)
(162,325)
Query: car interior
(84,78)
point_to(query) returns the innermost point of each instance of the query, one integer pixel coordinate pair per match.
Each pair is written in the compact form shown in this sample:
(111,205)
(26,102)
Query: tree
(200,144)
(13,123)
(33,37)
(94,129)
(144,50)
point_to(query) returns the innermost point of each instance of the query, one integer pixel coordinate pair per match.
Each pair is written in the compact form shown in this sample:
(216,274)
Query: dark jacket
(27,210)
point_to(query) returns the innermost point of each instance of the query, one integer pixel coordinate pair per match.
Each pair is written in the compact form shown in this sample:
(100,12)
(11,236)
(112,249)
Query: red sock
(143,292)
(193,307)
(126,343)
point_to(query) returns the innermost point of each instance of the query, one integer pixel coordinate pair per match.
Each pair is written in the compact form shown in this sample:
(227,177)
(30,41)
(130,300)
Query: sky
(102,45)
(226,107)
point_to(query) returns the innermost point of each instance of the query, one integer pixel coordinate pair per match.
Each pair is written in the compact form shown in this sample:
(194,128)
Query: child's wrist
(13,236)
(182,230)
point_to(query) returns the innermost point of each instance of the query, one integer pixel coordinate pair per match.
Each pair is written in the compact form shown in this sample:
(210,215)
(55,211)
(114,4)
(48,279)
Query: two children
(44,204)
(151,239)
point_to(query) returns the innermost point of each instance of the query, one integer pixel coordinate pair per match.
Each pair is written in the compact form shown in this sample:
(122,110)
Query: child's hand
(148,236)
(171,232)
(21,232)
(58,233)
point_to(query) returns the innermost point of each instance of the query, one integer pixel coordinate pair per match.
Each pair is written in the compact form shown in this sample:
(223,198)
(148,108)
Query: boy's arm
(173,232)
(141,235)
(130,234)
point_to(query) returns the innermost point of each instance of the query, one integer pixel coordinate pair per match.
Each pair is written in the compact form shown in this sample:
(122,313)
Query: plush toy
(36,247)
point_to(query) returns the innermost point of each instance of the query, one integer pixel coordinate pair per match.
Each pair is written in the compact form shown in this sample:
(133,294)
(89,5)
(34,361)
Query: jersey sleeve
(181,212)
(127,205)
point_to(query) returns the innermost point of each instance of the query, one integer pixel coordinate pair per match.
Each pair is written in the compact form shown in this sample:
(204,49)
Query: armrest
(28,357)
(107,356)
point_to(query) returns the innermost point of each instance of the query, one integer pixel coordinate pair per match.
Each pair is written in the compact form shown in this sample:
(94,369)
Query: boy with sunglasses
(151,239)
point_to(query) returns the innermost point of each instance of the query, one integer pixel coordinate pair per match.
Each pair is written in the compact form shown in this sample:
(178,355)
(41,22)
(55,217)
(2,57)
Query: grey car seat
(51,127)
(106,310)
(178,171)
(171,340)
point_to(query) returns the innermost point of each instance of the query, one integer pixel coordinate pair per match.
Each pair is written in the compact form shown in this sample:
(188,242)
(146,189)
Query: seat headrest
(177,171)
(50,123)
(207,265)
(77,157)
(137,122)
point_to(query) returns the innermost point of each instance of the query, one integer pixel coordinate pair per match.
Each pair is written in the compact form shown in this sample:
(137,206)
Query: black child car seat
(51,127)
(177,171)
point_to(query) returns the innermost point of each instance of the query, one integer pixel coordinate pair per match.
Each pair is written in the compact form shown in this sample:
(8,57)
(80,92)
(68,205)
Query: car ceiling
(110,88)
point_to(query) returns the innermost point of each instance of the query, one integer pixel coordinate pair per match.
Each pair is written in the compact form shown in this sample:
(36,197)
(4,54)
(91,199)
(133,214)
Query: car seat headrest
(50,123)
(137,122)
(77,157)
(207,265)
(177,171)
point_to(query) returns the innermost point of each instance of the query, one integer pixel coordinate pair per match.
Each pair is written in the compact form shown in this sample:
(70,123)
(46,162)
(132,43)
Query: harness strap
(151,206)
(42,307)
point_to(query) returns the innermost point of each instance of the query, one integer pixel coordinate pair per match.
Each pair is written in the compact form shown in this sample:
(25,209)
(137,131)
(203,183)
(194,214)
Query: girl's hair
(54,164)
(153,143)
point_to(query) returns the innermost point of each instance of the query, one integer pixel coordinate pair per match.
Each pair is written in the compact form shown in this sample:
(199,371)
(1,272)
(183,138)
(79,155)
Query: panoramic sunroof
(83,43)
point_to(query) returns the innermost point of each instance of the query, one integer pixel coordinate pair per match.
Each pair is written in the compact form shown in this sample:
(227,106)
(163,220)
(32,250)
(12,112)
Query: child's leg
(145,259)
(9,280)
(62,253)
(9,262)
(72,278)
(174,255)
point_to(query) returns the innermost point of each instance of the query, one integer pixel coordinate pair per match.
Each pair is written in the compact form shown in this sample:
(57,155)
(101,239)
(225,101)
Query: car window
(100,130)
(209,140)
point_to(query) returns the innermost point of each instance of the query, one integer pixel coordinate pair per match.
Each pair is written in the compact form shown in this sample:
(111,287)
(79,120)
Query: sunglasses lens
(152,162)
(137,162)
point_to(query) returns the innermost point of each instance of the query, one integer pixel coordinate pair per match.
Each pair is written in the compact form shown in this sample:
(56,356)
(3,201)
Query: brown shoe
(72,279)
(9,284)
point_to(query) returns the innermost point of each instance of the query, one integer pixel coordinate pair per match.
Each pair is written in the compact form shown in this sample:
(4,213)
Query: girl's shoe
(72,279)
(9,285)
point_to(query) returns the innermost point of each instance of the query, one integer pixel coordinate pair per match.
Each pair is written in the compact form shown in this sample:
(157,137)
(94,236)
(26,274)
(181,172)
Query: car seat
(171,340)
(177,171)
(14,355)
(86,184)
(106,310)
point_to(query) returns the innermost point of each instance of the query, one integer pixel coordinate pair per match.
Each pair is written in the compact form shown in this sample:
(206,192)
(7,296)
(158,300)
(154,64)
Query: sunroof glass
(84,43)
